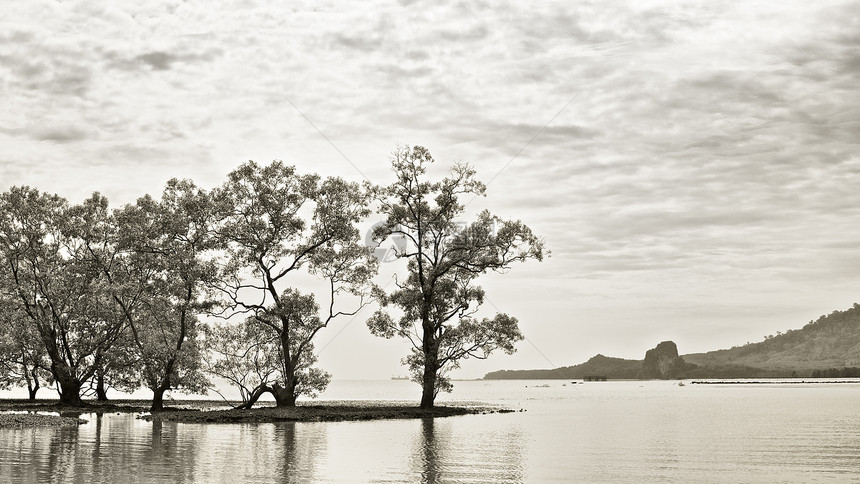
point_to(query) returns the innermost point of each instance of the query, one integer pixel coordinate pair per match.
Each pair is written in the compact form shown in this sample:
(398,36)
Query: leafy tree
(163,278)
(438,300)
(118,369)
(46,248)
(23,361)
(268,241)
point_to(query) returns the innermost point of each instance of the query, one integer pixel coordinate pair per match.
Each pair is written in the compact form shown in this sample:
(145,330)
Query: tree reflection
(97,445)
(285,438)
(168,457)
(478,449)
(61,461)
(429,453)
(303,447)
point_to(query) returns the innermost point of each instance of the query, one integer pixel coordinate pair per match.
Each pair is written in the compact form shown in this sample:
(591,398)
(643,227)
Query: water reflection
(613,432)
(61,459)
(165,457)
(110,448)
(426,452)
(303,450)
(496,451)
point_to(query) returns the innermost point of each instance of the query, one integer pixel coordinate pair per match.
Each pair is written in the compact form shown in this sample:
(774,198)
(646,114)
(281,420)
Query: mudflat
(211,411)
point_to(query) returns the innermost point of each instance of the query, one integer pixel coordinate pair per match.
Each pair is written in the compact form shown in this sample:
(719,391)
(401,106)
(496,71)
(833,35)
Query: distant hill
(832,341)
(827,347)
(599,365)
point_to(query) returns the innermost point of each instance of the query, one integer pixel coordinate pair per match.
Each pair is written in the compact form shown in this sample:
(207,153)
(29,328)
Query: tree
(118,369)
(164,276)
(23,361)
(268,239)
(250,356)
(244,356)
(438,300)
(47,248)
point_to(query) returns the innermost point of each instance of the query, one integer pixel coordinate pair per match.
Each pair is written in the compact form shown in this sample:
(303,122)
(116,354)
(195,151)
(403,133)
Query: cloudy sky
(693,166)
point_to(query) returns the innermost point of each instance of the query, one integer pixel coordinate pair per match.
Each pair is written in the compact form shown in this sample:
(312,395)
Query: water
(592,432)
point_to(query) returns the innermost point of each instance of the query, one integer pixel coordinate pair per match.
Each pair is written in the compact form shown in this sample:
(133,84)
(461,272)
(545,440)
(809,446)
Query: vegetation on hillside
(828,347)
(831,341)
(598,365)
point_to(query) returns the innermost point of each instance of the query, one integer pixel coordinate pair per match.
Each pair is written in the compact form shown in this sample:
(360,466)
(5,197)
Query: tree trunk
(101,391)
(252,399)
(32,389)
(70,390)
(69,383)
(428,393)
(158,398)
(285,396)
(431,359)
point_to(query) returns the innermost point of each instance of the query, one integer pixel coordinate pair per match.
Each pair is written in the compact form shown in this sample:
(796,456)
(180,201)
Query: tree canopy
(439,300)
(95,298)
(268,243)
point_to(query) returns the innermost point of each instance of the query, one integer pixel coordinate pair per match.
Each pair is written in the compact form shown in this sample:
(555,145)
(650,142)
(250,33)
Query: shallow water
(592,432)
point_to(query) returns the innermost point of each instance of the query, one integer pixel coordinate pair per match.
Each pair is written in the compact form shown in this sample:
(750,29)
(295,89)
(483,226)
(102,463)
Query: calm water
(592,432)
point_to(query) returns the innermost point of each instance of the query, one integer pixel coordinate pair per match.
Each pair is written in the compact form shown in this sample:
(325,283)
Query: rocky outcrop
(663,362)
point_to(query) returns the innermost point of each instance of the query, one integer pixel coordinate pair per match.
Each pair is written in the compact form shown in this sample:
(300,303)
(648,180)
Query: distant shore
(213,411)
(772,382)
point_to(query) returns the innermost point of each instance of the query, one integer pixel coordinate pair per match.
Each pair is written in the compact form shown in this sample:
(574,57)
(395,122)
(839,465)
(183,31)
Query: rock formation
(663,362)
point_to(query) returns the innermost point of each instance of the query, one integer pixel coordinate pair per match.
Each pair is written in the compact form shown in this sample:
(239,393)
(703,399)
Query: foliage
(96,298)
(844,372)
(831,341)
(438,300)
(23,361)
(167,267)
(268,241)
(49,253)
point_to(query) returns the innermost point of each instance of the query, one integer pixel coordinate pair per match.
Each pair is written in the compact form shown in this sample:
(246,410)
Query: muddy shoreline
(211,411)
(28,420)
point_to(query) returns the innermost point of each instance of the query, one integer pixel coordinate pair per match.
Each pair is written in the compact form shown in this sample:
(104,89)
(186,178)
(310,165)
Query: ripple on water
(602,432)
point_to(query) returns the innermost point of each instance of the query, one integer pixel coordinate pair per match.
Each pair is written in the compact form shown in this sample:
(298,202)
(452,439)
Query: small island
(334,411)
(51,413)
(23,420)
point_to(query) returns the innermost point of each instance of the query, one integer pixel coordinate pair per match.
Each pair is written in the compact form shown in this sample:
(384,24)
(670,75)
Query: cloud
(159,61)
(710,150)
(36,64)
(60,134)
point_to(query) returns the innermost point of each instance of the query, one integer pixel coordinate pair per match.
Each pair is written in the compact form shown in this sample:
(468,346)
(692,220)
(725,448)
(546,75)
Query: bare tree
(244,356)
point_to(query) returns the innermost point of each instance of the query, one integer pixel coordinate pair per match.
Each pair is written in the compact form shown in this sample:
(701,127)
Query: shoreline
(316,412)
(775,381)
(214,411)
(31,420)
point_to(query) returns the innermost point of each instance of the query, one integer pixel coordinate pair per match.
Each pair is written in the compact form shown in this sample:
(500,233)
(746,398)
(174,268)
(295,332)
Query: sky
(693,166)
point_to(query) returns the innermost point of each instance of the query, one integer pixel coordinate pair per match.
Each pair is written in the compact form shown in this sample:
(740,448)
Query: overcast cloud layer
(693,166)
